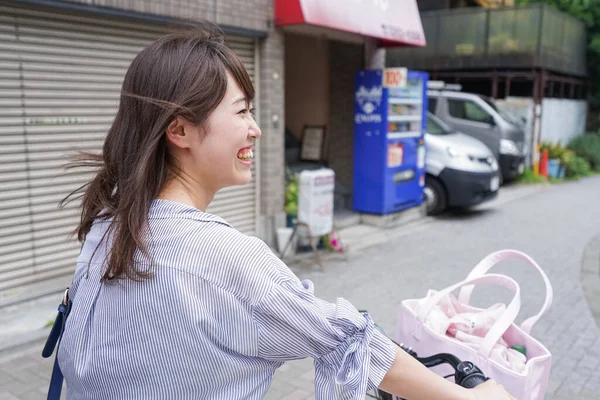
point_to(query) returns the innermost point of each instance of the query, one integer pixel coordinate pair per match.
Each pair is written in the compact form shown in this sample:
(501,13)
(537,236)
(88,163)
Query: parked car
(480,117)
(461,171)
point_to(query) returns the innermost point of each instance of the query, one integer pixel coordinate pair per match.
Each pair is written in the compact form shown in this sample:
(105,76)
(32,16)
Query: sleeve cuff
(358,365)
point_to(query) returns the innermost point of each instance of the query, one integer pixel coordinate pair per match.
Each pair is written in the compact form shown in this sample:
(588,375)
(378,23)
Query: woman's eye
(245,111)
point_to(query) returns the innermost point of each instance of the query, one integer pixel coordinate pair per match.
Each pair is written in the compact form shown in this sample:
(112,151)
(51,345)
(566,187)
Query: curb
(590,277)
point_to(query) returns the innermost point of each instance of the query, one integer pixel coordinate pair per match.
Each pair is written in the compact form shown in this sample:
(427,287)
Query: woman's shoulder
(239,263)
(206,246)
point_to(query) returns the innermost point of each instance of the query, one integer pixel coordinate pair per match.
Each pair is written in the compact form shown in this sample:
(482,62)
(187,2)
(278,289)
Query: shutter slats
(13,176)
(73,76)
(69,133)
(12,270)
(57,30)
(45,111)
(60,84)
(62,254)
(66,52)
(9,213)
(9,222)
(14,255)
(11,248)
(49,40)
(29,281)
(55,102)
(62,60)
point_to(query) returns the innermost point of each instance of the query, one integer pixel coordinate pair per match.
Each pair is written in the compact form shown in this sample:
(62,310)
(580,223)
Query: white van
(461,171)
(479,117)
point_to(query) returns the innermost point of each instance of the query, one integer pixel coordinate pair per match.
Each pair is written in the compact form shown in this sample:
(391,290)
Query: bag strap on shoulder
(53,342)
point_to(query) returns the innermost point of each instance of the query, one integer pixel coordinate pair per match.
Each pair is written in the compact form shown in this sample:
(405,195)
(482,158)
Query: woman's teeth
(245,155)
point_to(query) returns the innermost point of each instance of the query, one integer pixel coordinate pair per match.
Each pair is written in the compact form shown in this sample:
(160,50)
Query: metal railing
(536,35)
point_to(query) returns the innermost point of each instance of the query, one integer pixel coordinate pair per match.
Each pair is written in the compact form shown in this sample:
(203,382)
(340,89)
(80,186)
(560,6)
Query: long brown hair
(181,74)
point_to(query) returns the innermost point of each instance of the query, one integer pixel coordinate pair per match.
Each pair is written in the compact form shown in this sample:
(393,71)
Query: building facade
(61,68)
(62,63)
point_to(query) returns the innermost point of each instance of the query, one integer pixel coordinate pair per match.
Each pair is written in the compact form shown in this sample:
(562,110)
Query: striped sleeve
(351,356)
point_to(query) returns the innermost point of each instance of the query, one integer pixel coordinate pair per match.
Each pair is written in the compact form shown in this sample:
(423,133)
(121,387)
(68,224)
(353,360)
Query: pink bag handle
(487,263)
(501,325)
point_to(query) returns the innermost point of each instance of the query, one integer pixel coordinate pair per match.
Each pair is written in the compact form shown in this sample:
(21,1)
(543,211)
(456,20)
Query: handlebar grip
(473,380)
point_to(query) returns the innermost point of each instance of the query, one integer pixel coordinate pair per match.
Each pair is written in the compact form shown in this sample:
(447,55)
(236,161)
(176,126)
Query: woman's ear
(178,132)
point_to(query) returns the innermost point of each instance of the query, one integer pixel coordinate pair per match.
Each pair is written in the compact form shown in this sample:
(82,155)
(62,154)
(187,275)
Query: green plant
(555,150)
(567,157)
(587,12)
(577,167)
(528,177)
(587,147)
(291,193)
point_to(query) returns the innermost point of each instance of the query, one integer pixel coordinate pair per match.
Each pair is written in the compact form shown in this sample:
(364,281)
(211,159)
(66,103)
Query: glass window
(432,105)
(434,128)
(466,109)
(503,113)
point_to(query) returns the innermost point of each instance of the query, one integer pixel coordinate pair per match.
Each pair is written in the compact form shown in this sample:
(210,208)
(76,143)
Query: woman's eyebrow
(243,98)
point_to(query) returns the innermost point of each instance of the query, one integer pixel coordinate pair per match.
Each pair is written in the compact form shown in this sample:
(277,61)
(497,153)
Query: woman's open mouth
(245,154)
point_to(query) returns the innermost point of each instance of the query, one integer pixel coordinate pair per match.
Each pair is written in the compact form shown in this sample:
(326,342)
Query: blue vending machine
(389,148)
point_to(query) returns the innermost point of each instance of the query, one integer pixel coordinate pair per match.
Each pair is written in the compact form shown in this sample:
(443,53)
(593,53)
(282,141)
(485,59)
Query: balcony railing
(518,37)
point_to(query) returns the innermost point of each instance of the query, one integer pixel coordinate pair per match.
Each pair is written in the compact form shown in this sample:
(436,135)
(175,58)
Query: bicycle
(466,374)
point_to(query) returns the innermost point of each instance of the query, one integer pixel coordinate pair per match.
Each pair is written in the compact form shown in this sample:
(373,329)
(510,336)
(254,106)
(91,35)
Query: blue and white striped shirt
(219,316)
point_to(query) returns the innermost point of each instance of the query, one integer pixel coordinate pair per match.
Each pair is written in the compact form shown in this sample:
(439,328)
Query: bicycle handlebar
(466,374)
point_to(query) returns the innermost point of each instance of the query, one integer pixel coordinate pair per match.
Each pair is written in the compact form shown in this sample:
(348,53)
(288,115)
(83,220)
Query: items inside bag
(470,325)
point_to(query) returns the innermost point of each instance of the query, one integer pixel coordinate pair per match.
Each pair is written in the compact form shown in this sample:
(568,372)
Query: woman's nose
(255,131)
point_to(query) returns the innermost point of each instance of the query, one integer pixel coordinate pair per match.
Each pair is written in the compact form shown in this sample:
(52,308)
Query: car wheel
(435,196)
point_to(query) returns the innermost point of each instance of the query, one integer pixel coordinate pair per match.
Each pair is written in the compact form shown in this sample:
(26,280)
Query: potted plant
(291,197)
(333,243)
(555,154)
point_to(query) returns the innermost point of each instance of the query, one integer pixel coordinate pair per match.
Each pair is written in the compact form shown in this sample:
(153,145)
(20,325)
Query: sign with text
(315,200)
(394,77)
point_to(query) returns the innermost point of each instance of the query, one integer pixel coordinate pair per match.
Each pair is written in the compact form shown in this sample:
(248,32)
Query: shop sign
(395,21)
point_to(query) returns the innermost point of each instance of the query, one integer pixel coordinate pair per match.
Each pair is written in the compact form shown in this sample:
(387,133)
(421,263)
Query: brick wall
(249,14)
(345,60)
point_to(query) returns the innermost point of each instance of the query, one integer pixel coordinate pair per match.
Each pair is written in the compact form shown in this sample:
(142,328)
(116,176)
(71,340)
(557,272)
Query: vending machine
(389,148)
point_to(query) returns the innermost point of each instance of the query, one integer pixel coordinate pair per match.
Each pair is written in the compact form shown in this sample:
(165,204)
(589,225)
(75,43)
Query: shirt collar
(162,208)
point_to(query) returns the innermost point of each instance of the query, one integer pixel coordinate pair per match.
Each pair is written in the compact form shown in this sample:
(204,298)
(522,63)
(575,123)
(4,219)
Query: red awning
(396,21)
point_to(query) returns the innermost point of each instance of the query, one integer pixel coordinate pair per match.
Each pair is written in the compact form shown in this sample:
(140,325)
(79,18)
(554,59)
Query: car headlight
(508,147)
(494,164)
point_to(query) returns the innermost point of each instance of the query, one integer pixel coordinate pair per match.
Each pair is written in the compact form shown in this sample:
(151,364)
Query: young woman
(170,302)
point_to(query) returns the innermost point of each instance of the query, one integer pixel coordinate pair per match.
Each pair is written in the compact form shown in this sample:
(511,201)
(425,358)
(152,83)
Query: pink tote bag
(531,384)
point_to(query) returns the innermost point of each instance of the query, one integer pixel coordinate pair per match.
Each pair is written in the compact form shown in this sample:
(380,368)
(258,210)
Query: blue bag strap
(53,341)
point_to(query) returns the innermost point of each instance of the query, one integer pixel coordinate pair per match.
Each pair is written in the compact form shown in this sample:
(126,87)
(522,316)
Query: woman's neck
(179,190)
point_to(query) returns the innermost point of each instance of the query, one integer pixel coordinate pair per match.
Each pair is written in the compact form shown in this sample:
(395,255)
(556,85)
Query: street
(553,224)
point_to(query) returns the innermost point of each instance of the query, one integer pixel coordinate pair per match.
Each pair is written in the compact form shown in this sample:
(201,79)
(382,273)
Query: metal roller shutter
(60,78)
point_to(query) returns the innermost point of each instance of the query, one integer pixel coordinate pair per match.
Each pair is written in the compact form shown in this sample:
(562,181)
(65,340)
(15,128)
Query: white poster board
(315,200)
